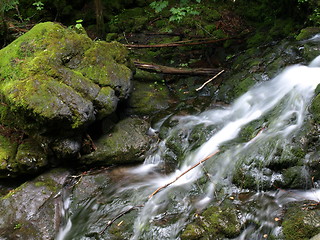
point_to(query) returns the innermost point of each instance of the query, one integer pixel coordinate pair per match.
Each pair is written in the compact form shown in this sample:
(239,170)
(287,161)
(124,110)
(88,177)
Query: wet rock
(301,221)
(126,143)
(297,178)
(216,222)
(265,62)
(66,148)
(32,211)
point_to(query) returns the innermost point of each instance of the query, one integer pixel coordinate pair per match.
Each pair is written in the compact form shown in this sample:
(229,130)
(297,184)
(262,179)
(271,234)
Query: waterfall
(279,105)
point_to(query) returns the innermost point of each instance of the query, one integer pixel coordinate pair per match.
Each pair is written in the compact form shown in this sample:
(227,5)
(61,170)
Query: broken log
(150,67)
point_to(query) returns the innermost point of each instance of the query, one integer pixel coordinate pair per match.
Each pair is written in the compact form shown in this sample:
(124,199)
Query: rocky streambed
(74,126)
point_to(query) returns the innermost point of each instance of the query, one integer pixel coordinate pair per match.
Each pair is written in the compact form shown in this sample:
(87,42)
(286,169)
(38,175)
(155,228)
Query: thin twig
(119,216)
(202,86)
(189,169)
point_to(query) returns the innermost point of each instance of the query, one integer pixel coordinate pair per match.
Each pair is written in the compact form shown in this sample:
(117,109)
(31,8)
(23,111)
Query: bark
(99,18)
(176,71)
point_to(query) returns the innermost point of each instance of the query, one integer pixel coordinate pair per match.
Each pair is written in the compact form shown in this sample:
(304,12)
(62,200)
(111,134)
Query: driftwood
(188,170)
(150,67)
(177,44)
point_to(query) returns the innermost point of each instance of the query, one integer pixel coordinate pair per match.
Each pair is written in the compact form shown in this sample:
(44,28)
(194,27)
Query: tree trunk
(99,18)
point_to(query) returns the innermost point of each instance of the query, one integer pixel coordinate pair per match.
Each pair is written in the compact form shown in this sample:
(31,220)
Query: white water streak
(292,90)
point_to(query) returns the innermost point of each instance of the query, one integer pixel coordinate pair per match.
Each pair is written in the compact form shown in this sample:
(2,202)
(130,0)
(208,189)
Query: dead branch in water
(150,67)
(188,170)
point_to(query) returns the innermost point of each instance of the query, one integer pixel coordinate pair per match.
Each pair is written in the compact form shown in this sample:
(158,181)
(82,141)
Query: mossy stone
(307,33)
(51,79)
(300,223)
(216,222)
(148,98)
(315,108)
(125,144)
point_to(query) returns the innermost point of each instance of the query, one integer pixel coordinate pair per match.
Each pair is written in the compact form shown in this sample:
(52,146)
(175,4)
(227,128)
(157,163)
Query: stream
(278,107)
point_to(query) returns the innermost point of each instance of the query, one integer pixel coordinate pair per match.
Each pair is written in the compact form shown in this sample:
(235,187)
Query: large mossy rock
(54,80)
(125,144)
(32,211)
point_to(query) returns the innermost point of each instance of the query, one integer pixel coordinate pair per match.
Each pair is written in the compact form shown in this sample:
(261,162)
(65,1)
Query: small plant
(158,6)
(179,13)
(8,5)
(39,5)
(17,226)
(79,24)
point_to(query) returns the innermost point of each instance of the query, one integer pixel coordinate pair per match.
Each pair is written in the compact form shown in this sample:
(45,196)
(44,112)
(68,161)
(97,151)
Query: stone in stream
(33,210)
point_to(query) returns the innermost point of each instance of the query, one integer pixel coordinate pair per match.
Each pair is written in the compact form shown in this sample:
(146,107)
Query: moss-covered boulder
(125,144)
(54,82)
(31,210)
(54,79)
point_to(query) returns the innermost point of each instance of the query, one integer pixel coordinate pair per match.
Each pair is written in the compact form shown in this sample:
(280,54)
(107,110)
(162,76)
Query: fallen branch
(177,44)
(188,170)
(202,86)
(175,71)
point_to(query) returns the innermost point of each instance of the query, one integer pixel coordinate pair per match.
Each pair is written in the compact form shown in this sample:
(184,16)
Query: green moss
(125,144)
(243,86)
(148,98)
(299,223)
(48,183)
(51,75)
(192,232)
(315,108)
(14,191)
(307,33)
(214,223)
(7,152)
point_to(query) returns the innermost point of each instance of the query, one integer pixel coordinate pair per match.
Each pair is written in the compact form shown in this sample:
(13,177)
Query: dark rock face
(126,143)
(32,211)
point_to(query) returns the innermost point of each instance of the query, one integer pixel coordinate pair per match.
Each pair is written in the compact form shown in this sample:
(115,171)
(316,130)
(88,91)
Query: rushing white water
(292,89)
(280,104)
